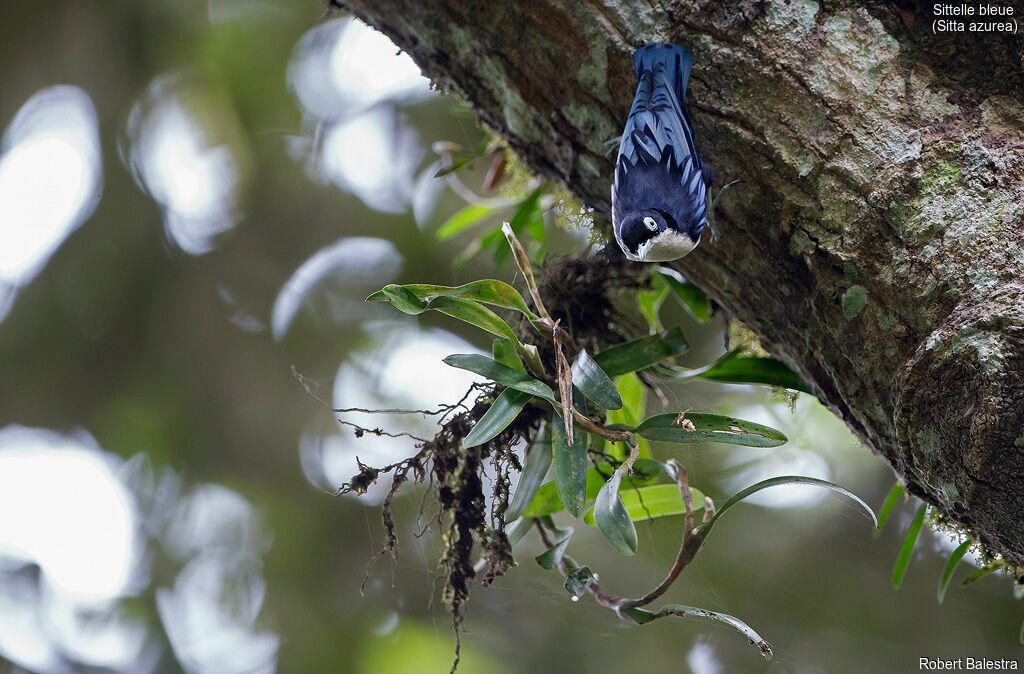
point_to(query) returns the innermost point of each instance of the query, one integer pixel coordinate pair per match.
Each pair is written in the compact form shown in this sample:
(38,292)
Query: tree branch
(875,245)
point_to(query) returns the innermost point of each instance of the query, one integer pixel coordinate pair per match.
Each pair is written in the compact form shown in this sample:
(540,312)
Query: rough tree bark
(875,245)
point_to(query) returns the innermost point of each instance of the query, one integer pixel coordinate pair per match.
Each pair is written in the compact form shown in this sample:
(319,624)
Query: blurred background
(195,198)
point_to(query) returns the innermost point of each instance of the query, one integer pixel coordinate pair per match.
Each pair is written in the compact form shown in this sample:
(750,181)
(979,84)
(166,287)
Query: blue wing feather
(658,119)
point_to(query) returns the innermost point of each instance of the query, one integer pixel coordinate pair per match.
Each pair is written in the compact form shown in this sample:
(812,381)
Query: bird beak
(644,248)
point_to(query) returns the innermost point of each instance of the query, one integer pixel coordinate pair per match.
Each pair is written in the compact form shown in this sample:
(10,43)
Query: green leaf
(647,503)
(887,506)
(551,558)
(634,404)
(536,230)
(403,300)
(531,357)
(642,353)
(526,211)
(474,314)
(578,580)
(979,574)
(504,352)
(570,464)
(710,428)
(495,240)
(518,529)
(641,616)
(705,530)
(947,573)
(470,215)
(488,291)
(690,297)
(503,411)
(650,301)
(535,468)
(547,502)
(907,550)
(583,404)
(612,518)
(593,383)
(501,374)
(464,159)
(634,396)
(734,368)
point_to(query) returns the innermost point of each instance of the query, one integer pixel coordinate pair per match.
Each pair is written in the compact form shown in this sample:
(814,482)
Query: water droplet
(575,598)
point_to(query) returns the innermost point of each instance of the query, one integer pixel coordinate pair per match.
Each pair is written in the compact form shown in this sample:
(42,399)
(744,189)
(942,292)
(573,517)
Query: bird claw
(721,192)
(613,145)
(716,234)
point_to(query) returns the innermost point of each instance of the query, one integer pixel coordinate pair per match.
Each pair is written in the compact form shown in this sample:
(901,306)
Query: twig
(709,512)
(390,540)
(564,374)
(687,550)
(360,430)
(684,489)
(462,401)
(588,424)
(634,454)
(429,413)
(523,261)
(444,410)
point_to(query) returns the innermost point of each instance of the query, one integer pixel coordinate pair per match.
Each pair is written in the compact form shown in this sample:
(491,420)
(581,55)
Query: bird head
(651,235)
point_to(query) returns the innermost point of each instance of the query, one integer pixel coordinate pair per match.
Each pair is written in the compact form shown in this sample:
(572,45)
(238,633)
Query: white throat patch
(668,245)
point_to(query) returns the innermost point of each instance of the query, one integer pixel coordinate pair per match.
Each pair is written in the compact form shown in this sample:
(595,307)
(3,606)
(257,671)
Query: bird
(660,191)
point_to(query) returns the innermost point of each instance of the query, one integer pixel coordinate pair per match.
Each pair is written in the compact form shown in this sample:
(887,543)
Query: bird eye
(651,223)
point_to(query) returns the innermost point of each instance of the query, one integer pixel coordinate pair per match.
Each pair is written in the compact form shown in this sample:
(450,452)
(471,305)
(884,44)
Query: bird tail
(675,61)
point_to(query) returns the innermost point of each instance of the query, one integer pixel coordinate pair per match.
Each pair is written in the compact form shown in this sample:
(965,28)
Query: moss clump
(518,179)
(742,337)
(942,523)
(941,177)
